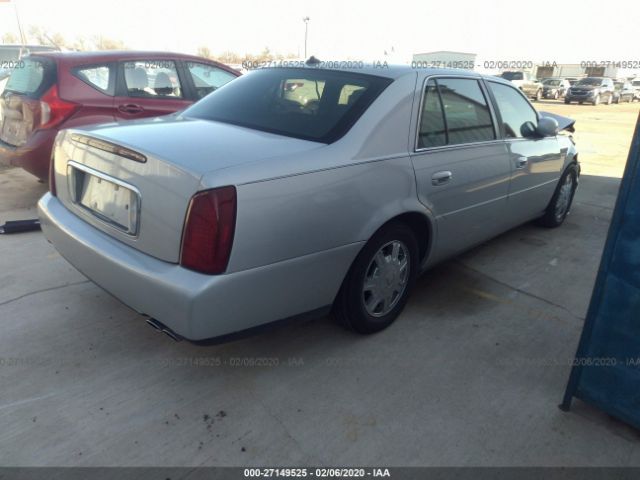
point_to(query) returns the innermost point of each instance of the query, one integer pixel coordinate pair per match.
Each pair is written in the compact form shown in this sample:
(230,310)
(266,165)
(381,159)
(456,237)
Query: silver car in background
(292,192)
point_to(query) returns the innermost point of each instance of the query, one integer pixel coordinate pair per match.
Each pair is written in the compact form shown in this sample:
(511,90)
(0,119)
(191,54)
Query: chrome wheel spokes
(386,278)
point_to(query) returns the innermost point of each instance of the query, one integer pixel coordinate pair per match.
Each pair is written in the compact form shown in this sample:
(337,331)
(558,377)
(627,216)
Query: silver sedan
(293,192)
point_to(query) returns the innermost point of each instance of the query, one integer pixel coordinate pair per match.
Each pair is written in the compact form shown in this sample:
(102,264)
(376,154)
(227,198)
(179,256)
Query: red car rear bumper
(34,156)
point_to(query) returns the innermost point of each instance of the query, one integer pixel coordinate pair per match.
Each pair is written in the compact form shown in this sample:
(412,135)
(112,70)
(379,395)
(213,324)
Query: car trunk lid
(135,181)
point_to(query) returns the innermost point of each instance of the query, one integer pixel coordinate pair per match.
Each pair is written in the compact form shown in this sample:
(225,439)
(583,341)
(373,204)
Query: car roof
(392,71)
(77,58)
(28,46)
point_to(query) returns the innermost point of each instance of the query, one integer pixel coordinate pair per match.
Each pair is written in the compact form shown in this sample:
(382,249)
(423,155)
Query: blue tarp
(606,372)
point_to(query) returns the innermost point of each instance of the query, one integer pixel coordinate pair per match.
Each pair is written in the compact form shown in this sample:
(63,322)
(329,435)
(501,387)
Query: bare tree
(9,37)
(204,51)
(37,35)
(104,43)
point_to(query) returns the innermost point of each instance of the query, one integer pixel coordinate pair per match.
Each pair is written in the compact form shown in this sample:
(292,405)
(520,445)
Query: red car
(49,91)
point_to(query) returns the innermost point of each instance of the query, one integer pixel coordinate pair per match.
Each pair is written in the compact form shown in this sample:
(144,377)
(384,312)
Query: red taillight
(54,110)
(208,230)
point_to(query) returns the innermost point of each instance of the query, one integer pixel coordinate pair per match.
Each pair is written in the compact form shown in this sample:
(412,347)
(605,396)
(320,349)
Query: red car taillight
(54,110)
(208,230)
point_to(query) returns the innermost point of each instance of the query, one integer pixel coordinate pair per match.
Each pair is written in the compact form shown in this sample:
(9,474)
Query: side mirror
(547,127)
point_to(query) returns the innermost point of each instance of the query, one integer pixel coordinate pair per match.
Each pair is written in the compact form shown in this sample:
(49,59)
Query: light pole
(306,28)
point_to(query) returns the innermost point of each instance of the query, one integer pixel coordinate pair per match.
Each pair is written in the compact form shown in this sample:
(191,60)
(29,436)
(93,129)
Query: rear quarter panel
(336,195)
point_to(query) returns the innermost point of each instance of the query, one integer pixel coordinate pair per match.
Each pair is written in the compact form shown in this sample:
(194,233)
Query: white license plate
(107,199)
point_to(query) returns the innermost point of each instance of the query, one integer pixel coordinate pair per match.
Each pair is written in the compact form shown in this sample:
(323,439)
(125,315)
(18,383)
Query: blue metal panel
(606,372)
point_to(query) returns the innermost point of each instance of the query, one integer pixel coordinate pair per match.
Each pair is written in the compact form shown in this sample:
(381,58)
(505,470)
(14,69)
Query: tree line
(39,36)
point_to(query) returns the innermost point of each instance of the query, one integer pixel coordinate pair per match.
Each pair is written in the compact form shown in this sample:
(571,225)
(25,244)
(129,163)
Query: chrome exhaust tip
(164,329)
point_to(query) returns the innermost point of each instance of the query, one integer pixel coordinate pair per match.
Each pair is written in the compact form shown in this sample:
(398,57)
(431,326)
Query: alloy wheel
(386,278)
(564,198)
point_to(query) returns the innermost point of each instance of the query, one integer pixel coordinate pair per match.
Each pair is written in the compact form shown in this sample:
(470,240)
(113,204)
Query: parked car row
(525,81)
(594,90)
(50,91)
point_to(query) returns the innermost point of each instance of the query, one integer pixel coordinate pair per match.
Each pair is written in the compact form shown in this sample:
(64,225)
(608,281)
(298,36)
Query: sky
(351,29)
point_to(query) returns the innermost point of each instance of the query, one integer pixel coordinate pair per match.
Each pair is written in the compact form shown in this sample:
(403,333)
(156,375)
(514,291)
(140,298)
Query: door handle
(440,178)
(130,108)
(521,162)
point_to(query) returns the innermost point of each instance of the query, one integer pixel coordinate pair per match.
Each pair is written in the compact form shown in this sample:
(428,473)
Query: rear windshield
(29,77)
(512,75)
(317,105)
(9,54)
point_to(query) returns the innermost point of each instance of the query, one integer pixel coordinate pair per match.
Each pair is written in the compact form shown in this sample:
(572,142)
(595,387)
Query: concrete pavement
(471,373)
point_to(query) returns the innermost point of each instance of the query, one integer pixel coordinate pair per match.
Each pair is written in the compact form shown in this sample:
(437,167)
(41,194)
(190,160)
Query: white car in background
(635,84)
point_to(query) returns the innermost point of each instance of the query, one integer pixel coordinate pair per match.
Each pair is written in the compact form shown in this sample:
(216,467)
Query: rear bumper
(34,156)
(193,305)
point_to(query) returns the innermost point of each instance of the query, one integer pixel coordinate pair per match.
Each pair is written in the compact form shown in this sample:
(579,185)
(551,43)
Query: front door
(536,163)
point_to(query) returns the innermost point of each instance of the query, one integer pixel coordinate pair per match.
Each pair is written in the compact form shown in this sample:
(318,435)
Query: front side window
(207,78)
(152,79)
(519,119)
(317,105)
(454,112)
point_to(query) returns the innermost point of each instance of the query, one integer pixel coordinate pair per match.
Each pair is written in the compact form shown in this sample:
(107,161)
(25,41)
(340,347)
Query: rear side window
(98,76)
(152,79)
(519,119)
(317,105)
(433,132)
(28,77)
(207,78)
(454,112)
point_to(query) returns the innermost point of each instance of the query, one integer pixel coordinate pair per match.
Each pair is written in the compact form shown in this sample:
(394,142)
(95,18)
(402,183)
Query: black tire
(554,216)
(349,307)
(567,101)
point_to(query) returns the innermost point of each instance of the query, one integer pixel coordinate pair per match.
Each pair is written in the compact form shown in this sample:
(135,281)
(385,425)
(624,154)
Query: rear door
(149,88)
(92,88)
(536,163)
(462,168)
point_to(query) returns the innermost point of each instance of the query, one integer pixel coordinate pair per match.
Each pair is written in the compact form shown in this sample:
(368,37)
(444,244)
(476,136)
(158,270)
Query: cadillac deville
(294,192)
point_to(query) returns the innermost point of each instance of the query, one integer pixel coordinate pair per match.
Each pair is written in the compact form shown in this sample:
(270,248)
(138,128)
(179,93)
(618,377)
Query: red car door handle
(130,108)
